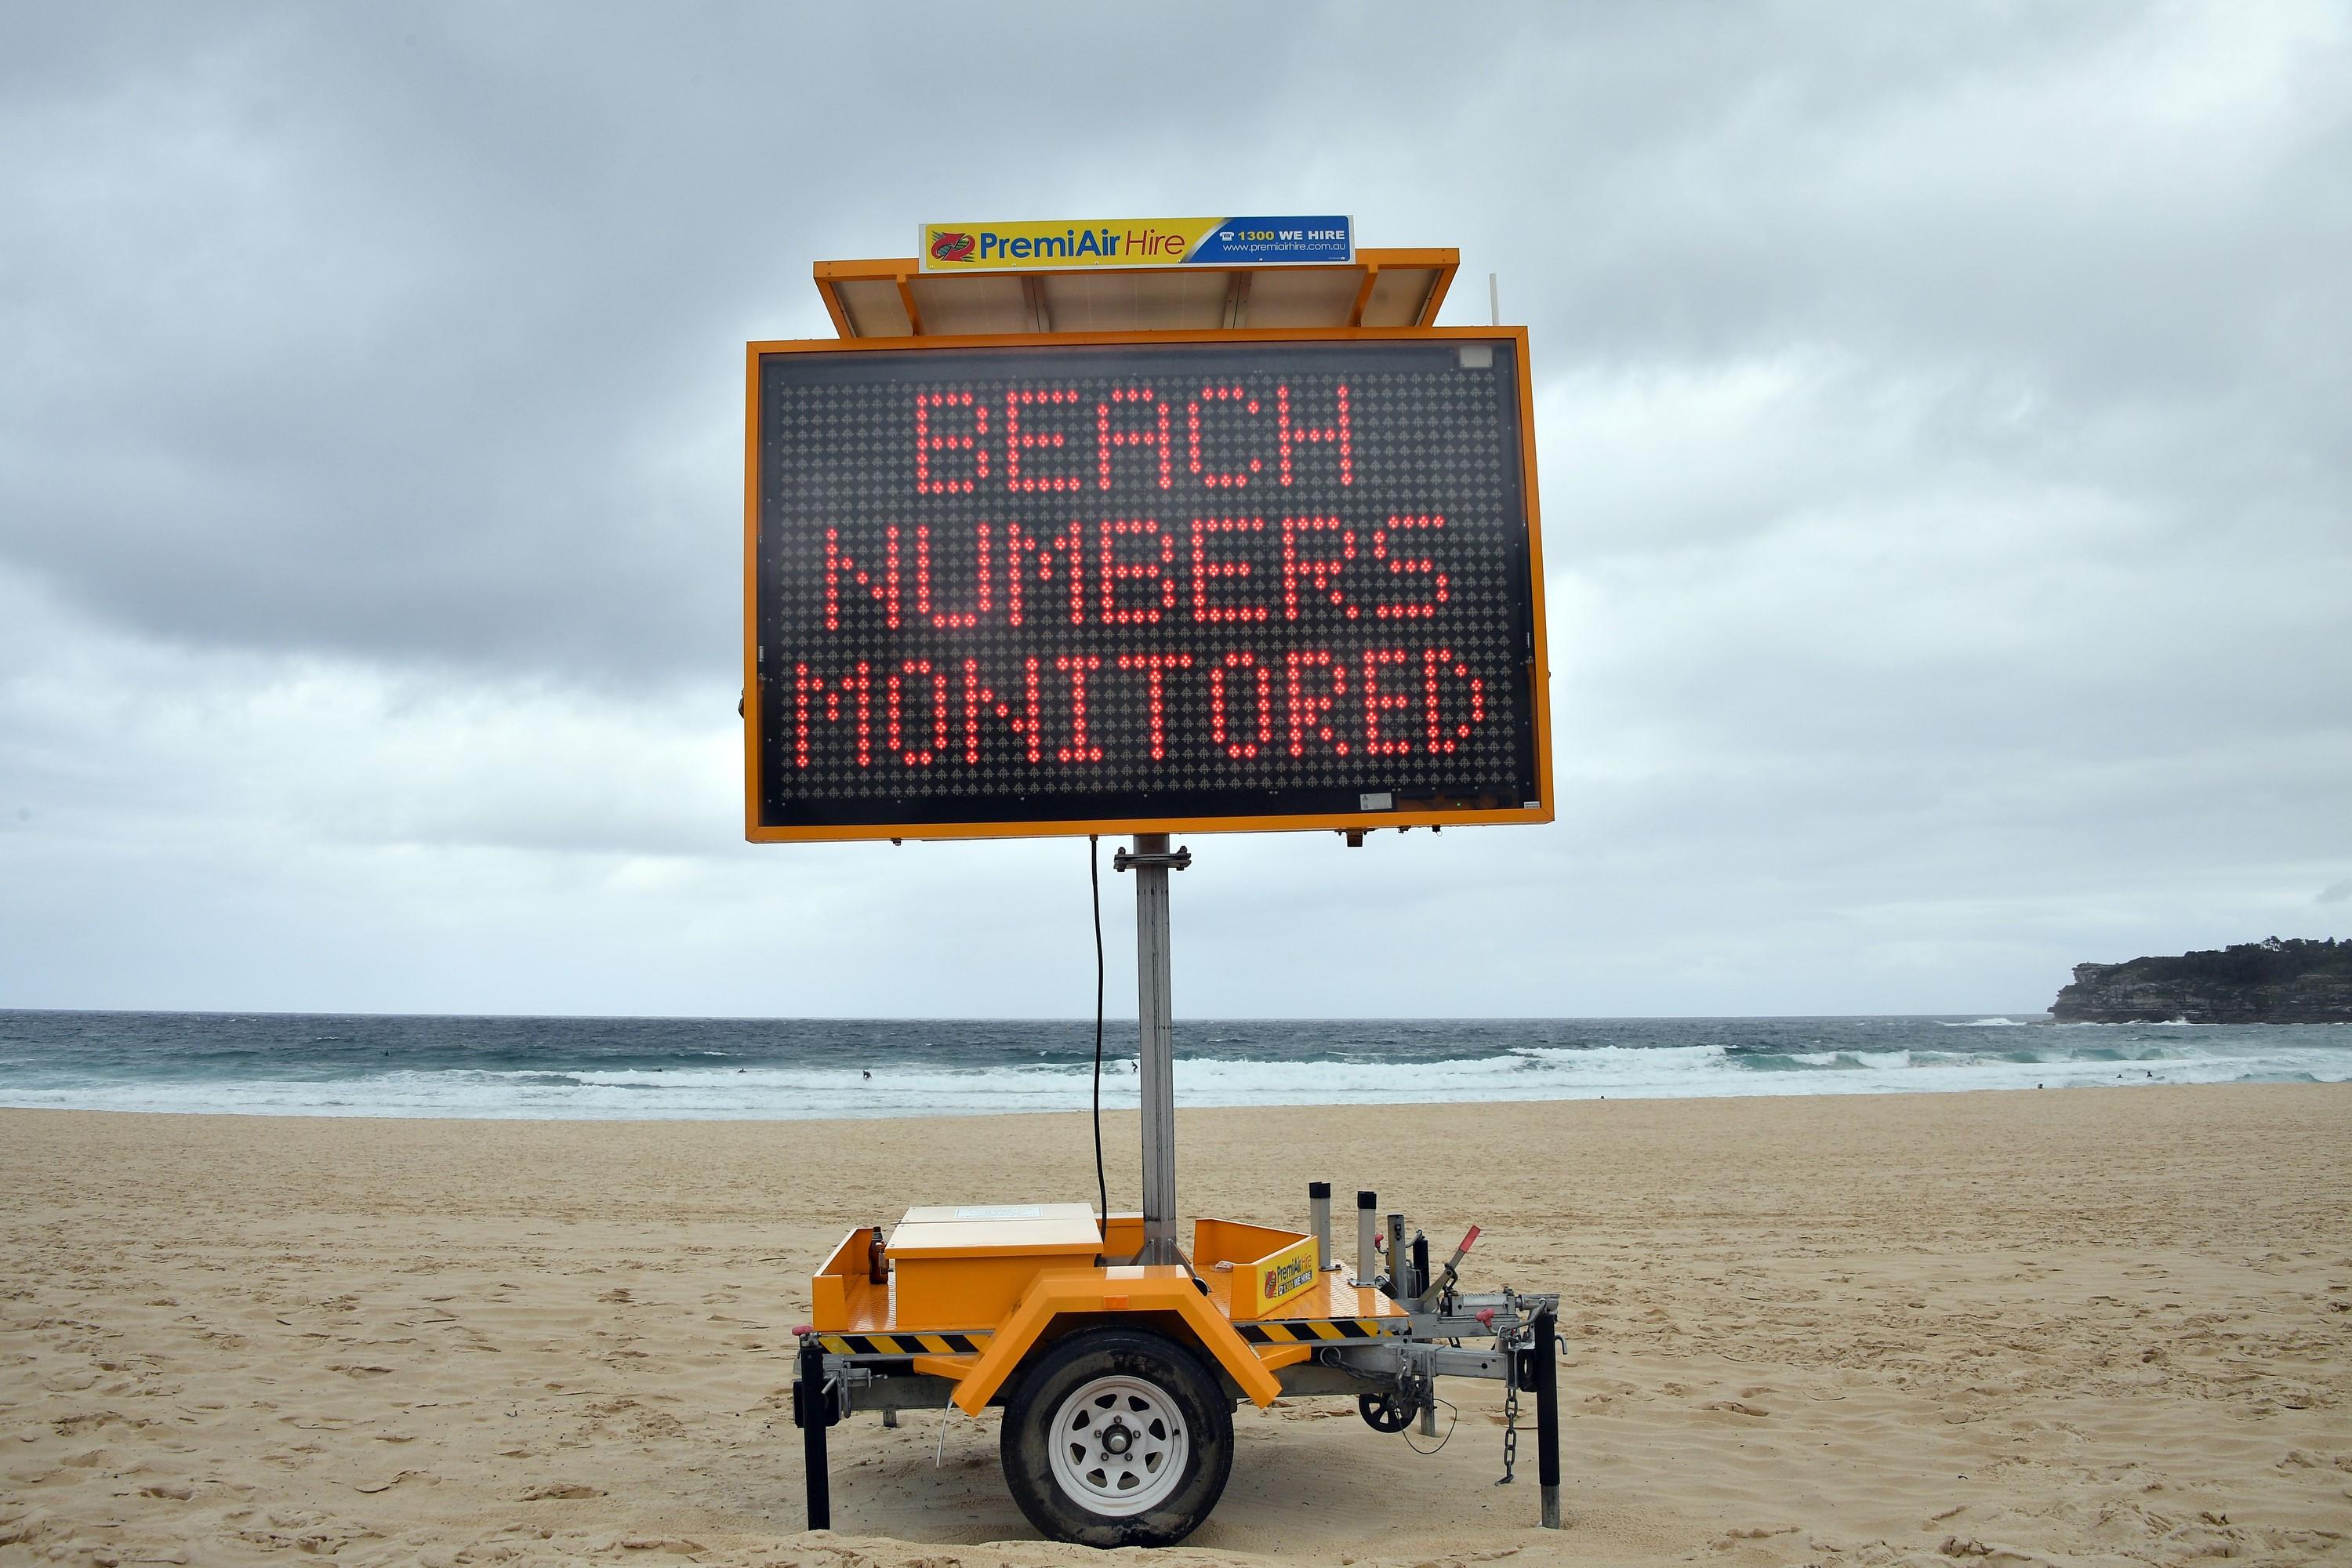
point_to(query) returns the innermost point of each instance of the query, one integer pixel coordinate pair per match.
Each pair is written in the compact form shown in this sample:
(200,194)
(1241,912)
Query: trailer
(966,614)
(1118,1379)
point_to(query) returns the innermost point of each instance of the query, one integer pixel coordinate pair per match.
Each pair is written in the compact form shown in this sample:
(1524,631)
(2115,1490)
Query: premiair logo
(1073,245)
(949,245)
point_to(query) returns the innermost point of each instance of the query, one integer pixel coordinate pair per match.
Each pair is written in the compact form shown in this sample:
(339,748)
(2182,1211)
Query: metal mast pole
(1156,1023)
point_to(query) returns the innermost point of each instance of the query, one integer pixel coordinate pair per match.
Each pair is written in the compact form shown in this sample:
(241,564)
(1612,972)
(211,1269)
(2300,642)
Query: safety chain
(1511,1420)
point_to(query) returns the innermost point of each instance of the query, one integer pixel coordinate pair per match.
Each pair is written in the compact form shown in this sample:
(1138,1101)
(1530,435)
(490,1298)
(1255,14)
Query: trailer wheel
(1384,1410)
(1117,1438)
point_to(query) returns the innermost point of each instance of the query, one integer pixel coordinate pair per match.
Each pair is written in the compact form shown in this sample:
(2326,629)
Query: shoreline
(1883,1330)
(757,1118)
(1128,1112)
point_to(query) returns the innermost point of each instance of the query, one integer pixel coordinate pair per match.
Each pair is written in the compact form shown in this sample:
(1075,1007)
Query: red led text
(1138,571)
(919,713)
(1216,436)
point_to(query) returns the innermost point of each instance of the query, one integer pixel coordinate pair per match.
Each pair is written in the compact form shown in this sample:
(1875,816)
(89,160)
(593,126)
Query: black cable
(1094,884)
(1452,1422)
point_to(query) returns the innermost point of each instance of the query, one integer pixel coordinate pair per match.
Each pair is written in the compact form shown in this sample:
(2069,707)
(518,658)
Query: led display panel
(1071,586)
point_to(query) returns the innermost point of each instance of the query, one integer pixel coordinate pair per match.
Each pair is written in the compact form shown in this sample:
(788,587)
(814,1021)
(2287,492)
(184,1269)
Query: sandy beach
(2108,1326)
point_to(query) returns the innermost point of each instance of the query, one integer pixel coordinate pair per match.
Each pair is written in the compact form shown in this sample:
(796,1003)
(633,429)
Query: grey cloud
(384,332)
(1944,482)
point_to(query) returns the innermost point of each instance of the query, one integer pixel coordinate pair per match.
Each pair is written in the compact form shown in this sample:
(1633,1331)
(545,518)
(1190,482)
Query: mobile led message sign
(1126,584)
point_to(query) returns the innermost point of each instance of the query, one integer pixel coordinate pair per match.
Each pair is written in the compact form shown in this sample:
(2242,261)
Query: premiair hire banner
(1138,242)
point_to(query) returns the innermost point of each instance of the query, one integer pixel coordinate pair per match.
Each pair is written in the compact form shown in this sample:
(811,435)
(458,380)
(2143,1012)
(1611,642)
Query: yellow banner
(1286,241)
(1262,1285)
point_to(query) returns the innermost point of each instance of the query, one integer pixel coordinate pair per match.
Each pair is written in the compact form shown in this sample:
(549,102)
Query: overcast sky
(1946,432)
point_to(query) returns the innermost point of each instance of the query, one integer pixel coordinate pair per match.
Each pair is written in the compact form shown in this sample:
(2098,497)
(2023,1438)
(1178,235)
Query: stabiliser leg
(1547,1334)
(813,1409)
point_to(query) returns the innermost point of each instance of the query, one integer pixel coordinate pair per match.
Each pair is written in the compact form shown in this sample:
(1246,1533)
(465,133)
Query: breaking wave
(788,1069)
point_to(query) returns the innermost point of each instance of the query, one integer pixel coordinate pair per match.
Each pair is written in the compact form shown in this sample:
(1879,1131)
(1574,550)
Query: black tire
(1384,1410)
(1111,1489)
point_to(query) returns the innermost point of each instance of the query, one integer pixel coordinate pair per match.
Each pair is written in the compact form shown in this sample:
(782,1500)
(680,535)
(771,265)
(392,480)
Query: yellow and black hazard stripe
(903,1344)
(1307,1330)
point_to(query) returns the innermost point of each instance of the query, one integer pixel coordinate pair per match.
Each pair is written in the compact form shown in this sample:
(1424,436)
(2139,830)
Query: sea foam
(787,1070)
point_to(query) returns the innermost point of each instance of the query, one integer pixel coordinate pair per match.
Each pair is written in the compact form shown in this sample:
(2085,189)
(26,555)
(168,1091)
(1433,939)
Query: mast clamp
(1176,860)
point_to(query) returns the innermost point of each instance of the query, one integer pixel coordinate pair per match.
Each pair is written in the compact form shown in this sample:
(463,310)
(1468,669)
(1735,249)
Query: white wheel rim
(1119,1446)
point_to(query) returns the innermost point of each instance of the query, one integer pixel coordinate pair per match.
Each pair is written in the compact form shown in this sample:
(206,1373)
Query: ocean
(310,1064)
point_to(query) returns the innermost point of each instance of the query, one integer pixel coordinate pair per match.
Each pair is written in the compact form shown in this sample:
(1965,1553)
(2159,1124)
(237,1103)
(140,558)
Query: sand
(2097,1326)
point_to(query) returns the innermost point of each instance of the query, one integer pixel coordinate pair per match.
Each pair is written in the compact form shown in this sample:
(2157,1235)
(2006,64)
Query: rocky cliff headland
(2273,981)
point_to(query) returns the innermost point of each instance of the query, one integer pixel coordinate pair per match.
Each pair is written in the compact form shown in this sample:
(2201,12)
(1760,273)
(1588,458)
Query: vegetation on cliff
(2270,981)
